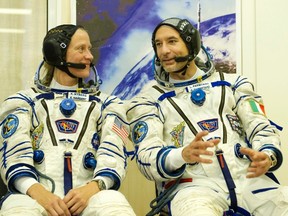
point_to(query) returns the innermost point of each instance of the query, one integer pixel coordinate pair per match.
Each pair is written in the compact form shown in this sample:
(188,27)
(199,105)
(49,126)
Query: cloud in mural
(128,54)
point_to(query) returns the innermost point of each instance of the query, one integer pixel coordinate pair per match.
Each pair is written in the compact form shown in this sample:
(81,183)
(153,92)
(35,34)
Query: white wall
(61,12)
(264,39)
(22,28)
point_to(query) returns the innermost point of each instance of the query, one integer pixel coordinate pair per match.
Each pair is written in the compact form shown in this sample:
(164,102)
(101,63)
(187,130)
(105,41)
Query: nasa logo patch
(139,132)
(10,126)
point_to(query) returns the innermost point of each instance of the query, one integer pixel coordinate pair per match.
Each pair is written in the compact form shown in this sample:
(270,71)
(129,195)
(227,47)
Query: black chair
(3,188)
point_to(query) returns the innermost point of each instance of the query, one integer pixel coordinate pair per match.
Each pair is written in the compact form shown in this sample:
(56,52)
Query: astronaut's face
(169,45)
(79,51)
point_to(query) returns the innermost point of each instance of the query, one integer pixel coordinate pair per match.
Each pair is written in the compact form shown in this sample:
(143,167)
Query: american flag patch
(119,129)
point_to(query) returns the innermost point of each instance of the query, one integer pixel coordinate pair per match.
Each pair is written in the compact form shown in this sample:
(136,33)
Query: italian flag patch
(256,107)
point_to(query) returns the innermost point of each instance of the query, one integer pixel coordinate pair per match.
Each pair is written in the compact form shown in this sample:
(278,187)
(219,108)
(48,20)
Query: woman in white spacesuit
(63,141)
(203,135)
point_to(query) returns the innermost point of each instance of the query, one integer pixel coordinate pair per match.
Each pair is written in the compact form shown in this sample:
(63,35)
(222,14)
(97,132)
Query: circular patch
(10,126)
(139,132)
(95,141)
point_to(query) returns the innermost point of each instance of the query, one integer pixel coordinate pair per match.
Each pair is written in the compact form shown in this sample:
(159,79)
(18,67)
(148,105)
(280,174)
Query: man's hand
(192,152)
(53,204)
(260,162)
(77,199)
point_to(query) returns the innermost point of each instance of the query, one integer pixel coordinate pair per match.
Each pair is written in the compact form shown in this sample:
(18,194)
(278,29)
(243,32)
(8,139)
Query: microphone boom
(182,58)
(75,65)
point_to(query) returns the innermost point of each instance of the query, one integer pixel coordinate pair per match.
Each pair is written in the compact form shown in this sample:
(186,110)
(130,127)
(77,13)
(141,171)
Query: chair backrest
(3,188)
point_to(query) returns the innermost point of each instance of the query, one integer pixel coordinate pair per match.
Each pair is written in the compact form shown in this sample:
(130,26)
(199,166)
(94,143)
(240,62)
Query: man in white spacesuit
(63,141)
(203,135)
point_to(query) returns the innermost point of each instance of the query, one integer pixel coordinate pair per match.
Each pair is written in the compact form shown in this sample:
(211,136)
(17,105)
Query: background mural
(121,31)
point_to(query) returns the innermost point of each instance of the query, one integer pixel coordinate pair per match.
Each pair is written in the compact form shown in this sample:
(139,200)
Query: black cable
(48,178)
(160,201)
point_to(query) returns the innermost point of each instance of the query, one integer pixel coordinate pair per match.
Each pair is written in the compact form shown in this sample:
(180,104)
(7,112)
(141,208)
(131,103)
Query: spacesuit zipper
(84,125)
(221,107)
(179,110)
(48,122)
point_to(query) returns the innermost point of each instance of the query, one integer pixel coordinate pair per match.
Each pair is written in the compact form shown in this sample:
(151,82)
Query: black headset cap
(189,34)
(56,42)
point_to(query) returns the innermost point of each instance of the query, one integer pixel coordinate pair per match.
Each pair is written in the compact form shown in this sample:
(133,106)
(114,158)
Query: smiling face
(79,52)
(169,45)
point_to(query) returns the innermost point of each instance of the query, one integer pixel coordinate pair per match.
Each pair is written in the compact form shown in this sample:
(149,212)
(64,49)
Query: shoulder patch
(95,141)
(10,126)
(178,134)
(209,124)
(235,123)
(139,132)
(256,107)
(37,135)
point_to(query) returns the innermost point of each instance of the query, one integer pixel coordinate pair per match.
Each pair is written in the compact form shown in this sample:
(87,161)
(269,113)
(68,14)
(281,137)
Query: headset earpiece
(51,51)
(54,49)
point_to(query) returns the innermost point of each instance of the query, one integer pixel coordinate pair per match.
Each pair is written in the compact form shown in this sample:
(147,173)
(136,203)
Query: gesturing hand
(192,152)
(260,162)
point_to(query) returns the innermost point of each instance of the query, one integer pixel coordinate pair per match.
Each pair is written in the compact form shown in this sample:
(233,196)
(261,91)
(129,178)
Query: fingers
(256,171)
(65,209)
(198,148)
(199,136)
(246,151)
(259,162)
(200,152)
(198,142)
(251,173)
(202,145)
(75,206)
(253,155)
(58,209)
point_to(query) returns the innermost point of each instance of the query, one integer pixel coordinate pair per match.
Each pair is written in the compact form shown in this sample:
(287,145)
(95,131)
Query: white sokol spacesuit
(167,117)
(64,139)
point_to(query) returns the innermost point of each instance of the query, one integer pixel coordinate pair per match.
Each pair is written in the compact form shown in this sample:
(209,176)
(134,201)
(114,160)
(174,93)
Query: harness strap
(228,178)
(170,183)
(240,212)
(67,172)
